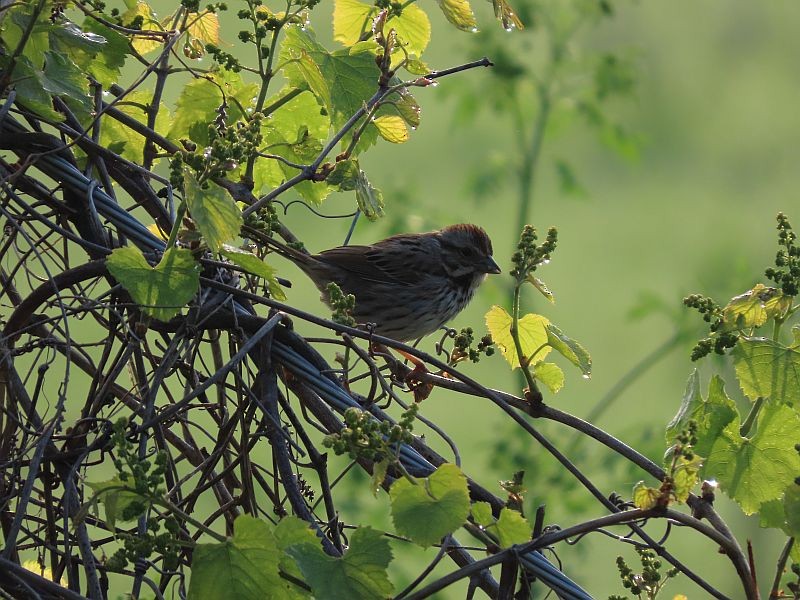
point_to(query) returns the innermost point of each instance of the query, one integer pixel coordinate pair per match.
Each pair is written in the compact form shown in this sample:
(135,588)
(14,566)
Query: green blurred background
(688,205)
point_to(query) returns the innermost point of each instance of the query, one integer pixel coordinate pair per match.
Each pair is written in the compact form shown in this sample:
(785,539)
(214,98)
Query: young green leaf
(482,513)
(392,128)
(252,264)
(352,78)
(351,19)
(160,291)
(767,369)
(512,528)
(645,497)
(712,416)
(244,567)
(358,575)
(685,477)
(532,335)
(569,349)
(753,308)
(368,197)
(141,44)
(200,100)
(549,374)
(433,507)
(459,13)
(755,470)
(213,210)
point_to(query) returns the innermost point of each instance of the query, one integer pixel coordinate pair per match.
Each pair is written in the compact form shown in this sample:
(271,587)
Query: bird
(407,285)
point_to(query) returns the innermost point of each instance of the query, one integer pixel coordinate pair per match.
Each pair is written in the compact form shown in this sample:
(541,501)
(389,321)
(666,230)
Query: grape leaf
(549,374)
(392,128)
(758,469)
(213,210)
(767,369)
(431,508)
(459,13)
(753,308)
(569,349)
(512,528)
(358,575)
(201,98)
(645,497)
(351,75)
(533,335)
(244,567)
(712,416)
(162,290)
(482,513)
(253,264)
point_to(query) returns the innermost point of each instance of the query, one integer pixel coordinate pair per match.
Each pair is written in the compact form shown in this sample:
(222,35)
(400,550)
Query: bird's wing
(373,263)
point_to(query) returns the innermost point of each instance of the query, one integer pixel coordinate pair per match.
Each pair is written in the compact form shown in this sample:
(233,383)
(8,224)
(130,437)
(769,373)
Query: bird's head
(466,251)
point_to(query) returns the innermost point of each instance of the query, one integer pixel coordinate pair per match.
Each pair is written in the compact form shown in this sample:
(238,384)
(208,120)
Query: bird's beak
(491,266)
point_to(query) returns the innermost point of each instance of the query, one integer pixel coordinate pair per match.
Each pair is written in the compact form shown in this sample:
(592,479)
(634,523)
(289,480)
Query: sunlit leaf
(200,100)
(758,469)
(482,513)
(711,416)
(243,567)
(392,128)
(685,477)
(512,528)
(645,497)
(361,574)
(253,264)
(753,308)
(204,27)
(459,13)
(150,22)
(532,335)
(430,508)
(768,369)
(160,291)
(351,18)
(569,349)
(550,375)
(213,210)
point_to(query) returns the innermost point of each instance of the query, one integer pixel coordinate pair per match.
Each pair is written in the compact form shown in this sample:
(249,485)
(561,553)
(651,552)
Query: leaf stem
(751,417)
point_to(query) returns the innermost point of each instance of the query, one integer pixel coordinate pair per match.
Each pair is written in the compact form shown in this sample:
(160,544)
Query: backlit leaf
(433,507)
(253,264)
(459,13)
(645,497)
(569,349)
(532,335)
(160,291)
(392,128)
(361,574)
(758,469)
(550,375)
(768,369)
(512,528)
(243,567)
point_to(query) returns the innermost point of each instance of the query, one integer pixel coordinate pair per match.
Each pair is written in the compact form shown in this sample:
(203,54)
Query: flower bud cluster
(649,581)
(786,273)
(364,437)
(462,347)
(342,305)
(529,256)
(718,342)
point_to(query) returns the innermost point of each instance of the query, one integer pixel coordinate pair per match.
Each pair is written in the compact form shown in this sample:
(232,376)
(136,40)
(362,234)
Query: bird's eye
(465,251)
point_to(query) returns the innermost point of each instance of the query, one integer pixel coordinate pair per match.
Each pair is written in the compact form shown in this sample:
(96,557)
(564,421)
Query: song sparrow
(408,285)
